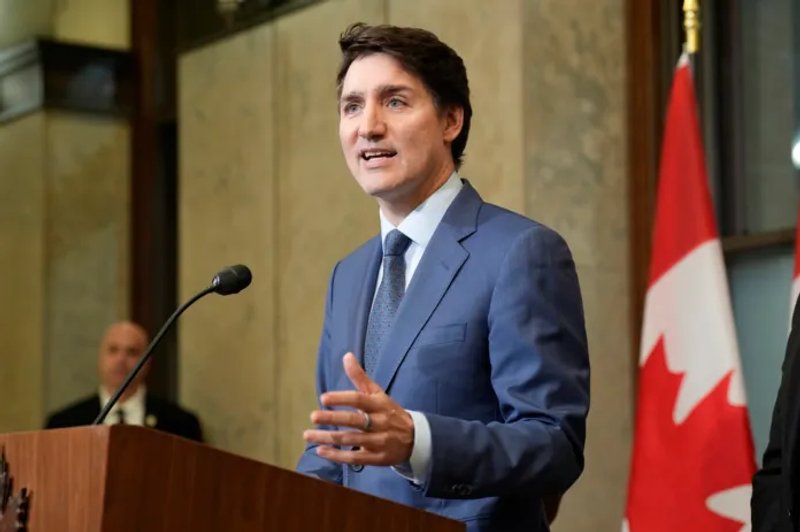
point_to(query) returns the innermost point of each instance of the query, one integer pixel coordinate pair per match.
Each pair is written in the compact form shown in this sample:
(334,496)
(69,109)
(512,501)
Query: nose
(372,124)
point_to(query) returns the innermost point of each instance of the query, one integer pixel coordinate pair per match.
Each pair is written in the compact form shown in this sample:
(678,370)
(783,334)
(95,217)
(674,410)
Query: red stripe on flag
(684,215)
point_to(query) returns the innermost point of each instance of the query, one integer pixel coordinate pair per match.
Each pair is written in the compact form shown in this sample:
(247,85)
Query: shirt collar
(136,399)
(421,223)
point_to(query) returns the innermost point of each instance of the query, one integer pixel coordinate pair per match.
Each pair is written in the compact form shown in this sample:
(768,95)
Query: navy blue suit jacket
(489,343)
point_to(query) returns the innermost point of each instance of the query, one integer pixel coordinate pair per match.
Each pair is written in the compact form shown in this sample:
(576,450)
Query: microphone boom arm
(142,361)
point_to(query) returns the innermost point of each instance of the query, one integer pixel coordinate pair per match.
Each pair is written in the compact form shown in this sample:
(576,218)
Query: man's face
(395,140)
(120,350)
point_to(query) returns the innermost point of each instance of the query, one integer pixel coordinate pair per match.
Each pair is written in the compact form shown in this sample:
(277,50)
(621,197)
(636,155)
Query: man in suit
(121,348)
(776,485)
(453,366)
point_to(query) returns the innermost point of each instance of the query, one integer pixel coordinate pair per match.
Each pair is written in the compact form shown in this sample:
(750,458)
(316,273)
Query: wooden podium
(133,479)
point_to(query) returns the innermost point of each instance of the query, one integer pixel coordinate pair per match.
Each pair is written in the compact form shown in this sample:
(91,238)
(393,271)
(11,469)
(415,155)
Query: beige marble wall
(547,80)
(322,213)
(86,243)
(484,35)
(227,216)
(574,71)
(22,249)
(64,236)
(104,23)
(22,19)
(96,22)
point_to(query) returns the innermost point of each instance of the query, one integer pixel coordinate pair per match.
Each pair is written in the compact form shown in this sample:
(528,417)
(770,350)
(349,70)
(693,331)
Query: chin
(378,188)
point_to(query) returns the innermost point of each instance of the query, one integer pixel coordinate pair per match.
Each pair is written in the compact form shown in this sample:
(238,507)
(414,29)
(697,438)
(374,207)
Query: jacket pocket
(445,334)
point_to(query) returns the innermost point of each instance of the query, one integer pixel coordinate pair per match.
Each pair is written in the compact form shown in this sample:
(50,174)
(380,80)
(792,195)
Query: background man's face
(120,350)
(393,137)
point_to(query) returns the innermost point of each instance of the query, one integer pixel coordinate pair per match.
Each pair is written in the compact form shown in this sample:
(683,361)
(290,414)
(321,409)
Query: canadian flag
(693,455)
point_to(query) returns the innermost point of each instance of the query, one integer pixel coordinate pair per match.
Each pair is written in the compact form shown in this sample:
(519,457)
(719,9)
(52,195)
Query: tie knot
(396,243)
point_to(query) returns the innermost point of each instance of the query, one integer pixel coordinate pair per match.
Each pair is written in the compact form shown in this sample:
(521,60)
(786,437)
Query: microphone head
(232,280)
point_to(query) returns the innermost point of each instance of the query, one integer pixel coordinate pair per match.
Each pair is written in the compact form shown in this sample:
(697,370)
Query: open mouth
(373,154)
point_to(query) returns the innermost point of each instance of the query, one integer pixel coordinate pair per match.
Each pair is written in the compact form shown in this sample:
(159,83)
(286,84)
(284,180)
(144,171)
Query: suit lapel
(440,263)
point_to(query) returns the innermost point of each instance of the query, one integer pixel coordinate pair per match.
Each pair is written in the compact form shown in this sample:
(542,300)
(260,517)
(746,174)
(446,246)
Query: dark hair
(421,53)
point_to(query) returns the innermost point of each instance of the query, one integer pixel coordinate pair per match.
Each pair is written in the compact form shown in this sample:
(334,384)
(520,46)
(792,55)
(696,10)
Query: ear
(453,121)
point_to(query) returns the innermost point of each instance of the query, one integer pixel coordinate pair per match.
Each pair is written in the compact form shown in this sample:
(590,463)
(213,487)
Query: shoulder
(170,417)
(166,407)
(80,412)
(500,231)
(492,217)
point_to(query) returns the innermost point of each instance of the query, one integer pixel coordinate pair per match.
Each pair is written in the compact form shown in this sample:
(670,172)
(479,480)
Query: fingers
(352,399)
(366,393)
(384,432)
(342,418)
(358,376)
(345,438)
(360,447)
(361,456)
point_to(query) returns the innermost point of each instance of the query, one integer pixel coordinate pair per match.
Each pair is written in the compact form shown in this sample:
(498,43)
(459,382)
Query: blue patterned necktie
(390,293)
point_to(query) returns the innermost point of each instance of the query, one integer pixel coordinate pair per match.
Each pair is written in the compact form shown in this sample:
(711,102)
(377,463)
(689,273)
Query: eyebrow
(383,90)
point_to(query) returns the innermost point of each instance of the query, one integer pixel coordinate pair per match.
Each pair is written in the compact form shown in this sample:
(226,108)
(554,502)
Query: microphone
(230,280)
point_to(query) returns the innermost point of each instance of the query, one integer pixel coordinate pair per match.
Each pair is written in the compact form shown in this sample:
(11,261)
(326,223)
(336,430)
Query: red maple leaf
(676,468)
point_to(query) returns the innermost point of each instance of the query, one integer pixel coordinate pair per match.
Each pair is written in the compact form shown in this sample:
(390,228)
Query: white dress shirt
(133,407)
(419,226)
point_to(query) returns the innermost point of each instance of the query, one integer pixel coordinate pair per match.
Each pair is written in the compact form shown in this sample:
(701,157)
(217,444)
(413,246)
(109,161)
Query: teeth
(370,155)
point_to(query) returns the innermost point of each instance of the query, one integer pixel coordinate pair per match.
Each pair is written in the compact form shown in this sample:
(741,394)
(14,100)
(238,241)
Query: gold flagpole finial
(691,24)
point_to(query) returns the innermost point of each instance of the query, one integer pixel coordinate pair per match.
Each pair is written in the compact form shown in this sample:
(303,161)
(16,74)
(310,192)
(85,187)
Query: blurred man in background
(122,345)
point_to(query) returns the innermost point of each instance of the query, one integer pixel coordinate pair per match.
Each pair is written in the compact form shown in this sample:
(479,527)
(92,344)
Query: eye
(395,103)
(350,108)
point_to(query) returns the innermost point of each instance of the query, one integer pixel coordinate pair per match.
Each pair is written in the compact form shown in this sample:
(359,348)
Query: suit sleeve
(540,373)
(310,463)
(765,504)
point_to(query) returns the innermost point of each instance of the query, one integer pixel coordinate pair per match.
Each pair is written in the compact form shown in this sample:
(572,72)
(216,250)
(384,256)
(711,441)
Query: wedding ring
(367,422)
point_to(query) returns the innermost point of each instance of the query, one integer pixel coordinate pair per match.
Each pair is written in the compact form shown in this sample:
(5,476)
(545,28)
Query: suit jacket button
(356,468)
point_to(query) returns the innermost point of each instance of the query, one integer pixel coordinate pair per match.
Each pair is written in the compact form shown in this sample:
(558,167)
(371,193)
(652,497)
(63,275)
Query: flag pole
(691,25)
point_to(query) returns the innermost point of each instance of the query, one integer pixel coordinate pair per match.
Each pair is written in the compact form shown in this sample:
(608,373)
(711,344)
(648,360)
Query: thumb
(358,376)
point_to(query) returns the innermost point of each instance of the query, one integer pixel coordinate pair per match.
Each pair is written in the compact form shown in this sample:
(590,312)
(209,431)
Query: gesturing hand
(385,431)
